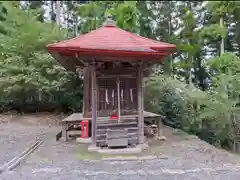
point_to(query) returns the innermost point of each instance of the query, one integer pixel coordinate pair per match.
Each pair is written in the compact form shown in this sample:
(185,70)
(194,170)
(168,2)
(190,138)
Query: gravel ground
(18,132)
(14,139)
(188,159)
(154,169)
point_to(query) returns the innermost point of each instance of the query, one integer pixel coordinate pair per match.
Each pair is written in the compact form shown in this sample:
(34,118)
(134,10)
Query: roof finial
(109,21)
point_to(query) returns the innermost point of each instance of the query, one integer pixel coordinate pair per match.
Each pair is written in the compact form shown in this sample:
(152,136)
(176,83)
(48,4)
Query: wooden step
(130,130)
(116,121)
(131,125)
(103,142)
(117,126)
(130,139)
(103,136)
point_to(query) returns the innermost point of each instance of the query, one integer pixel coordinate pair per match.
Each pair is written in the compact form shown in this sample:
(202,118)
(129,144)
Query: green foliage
(126,15)
(213,32)
(163,99)
(225,63)
(221,106)
(212,115)
(189,45)
(221,8)
(24,34)
(189,22)
(30,79)
(173,99)
(93,15)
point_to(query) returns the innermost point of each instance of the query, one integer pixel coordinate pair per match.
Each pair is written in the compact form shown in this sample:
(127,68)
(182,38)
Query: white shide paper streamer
(113,97)
(122,94)
(131,95)
(106,96)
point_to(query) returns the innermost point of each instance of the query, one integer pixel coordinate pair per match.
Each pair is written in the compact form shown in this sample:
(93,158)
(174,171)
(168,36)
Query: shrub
(165,96)
(43,85)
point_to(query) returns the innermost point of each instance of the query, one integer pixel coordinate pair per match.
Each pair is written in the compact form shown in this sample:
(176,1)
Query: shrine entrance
(116,92)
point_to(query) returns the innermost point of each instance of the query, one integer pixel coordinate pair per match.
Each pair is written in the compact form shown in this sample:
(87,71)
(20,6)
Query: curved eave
(169,48)
(104,52)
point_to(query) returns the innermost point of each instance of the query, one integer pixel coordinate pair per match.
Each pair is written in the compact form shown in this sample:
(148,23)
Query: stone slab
(121,158)
(134,158)
(74,132)
(84,140)
(121,151)
(143,146)
(93,148)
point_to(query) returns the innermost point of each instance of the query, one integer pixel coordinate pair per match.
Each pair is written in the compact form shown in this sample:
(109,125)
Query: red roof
(110,40)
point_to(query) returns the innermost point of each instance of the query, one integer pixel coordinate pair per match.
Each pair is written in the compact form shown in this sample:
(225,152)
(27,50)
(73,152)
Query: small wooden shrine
(113,62)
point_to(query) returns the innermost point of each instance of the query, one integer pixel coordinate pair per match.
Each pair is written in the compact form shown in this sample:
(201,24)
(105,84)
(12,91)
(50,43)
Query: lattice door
(108,95)
(128,95)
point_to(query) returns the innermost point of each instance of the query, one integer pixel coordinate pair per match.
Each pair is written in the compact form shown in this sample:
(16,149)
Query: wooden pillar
(84,92)
(86,83)
(140,103)
(64,131)
(158,127)
(118,99)
(93,101)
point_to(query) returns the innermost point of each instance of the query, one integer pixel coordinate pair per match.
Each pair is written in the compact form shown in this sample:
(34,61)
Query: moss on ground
(154,150)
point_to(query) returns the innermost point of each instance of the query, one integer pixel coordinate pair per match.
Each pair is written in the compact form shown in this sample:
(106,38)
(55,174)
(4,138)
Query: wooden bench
(68,125)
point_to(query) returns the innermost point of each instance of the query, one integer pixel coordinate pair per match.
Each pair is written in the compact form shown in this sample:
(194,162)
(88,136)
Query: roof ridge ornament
(109,21)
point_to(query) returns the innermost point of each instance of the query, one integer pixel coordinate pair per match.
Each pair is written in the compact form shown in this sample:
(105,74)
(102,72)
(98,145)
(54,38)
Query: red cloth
(113,116)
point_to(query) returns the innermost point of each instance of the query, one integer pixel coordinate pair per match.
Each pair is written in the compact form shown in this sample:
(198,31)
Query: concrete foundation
(93,148)
(143,146)
(121,151)
(84,140)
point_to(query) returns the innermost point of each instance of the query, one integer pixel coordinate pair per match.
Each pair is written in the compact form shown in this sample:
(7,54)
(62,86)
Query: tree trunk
(170,34)
(237,33)
(222,39)
(58,11)
(168,62)
(190,57)
(76,25)
(52,12)
(75,20)
(68,16)
(190,72)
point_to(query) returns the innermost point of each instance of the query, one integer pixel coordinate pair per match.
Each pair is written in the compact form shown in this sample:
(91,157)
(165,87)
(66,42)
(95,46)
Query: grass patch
(120,155)
(84,154)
